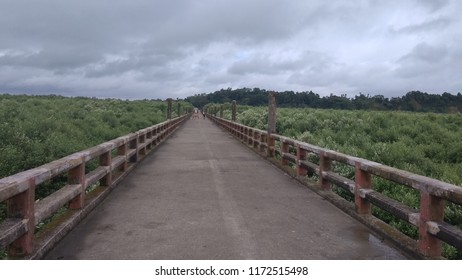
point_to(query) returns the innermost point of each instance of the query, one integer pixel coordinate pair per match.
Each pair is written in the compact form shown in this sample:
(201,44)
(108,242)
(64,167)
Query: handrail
(434,193)
(116,158)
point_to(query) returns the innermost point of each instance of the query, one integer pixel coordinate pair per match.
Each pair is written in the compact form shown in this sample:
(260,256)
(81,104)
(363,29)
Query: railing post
(271,123)
(284,150)
(22,206)
(178,110)
(75,176)
(221,111)
(262,140)
(142,140)
(256,139)
(363,180)
(122,151)
(301,155)
(431,209)
(134,145)
(158,135)
(325,164)
(149,138)
(233,111)
(169,108)
(106,160)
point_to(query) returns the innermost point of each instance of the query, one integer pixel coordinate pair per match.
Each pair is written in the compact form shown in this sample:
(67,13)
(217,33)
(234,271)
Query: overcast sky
(136,49)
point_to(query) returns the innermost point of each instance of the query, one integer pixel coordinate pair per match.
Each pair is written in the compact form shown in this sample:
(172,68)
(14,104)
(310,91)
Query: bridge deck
(203,195)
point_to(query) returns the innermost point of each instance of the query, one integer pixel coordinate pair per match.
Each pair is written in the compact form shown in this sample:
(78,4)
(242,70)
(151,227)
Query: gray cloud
(161,48)
(425,53)
(430,25)
(435,5)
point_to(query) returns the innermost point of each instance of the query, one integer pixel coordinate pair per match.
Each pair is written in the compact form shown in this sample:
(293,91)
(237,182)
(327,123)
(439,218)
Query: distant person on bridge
(203,113)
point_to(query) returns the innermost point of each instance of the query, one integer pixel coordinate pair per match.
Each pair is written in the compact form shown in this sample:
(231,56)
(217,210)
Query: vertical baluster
(431,209)
(301,155)
(76,175)
(284,150)
(363,180)
(22,206)
(325,164)
(133,144)
(262,140)
(122,150)
(106,160)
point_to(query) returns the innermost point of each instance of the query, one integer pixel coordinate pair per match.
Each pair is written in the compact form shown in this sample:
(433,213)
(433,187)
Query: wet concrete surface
(203,195)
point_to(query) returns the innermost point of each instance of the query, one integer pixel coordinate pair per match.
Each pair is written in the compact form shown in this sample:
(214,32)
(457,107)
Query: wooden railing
(433,193)
(79,196)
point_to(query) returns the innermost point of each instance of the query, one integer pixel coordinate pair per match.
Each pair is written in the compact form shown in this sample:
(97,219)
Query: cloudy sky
(134,49)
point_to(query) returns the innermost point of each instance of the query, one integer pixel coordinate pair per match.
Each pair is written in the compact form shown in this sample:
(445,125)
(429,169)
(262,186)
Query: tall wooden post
(169,108)
(271,112)
(178,109)
(271,123)
(221,111)
(233,111)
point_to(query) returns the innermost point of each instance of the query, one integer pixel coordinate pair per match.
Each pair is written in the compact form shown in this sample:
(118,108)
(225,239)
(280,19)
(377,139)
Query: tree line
(415,101)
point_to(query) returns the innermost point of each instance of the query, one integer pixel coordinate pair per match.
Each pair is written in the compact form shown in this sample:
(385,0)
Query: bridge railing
(429,218)
(83,191)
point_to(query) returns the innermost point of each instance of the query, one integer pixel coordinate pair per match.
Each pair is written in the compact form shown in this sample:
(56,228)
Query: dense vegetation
(35,130)
(423,143)
(38,129)
(413,101)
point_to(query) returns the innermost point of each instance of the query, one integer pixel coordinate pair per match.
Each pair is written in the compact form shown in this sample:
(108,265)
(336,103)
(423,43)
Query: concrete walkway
(203,195)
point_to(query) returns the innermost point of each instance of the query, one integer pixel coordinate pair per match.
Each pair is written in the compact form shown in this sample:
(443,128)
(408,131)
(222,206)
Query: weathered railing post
(106,160)
(142,140)
(221,111)
(134,145)
(122,151)
(256,139)
(301,155)
(325,164)
(363,180)
(271,123)
(75,176)
(262,140)
(178,110)
(149,139)
(250,136)
(233,111)
(158,134)
(22,206)
(431,209)
(169,108)
(284,150)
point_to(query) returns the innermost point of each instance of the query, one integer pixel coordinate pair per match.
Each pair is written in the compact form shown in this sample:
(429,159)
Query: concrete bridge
(204,195)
